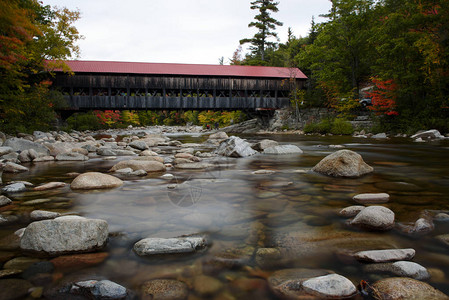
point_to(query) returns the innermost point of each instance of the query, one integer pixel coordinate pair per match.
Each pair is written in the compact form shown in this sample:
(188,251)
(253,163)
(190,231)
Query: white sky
(178,31)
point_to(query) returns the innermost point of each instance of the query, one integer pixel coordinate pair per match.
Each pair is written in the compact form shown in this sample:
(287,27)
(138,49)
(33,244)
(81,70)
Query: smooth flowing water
(292,210)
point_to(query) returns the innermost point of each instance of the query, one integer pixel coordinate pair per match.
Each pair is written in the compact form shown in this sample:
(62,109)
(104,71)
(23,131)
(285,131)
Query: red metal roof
(84,66)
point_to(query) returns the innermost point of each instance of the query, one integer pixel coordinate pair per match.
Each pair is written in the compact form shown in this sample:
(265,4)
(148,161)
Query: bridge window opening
(223,94)
(268,94)
(238,94)
(283,94)
(65,91)
(205,94)
(137,92)
(81,92)
(100,92)
(254,94)
(155,93)
(119,92)
(188,93)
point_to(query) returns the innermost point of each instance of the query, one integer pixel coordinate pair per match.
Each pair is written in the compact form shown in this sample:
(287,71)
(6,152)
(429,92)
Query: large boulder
(343,163)
(139,145)
(235,147)
(95,180)
(68,234)
(134,164)
(18,145)
(330,286)
(375,218)
(283,149)
(397,288)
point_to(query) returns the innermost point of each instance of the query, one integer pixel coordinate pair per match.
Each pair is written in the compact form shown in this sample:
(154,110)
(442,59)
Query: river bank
(200,215)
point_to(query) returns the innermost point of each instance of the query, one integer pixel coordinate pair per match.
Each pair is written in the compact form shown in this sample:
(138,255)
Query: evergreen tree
(265,25)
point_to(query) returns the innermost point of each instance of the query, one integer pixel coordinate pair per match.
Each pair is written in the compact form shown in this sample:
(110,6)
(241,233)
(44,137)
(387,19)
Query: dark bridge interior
(120,86)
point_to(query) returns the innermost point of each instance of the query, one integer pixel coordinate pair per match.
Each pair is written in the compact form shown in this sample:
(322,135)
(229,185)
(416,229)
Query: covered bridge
(135,85)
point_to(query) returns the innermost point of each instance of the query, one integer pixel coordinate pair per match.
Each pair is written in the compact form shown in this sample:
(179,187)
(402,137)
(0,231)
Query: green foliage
(84,121)
(341,127)
(336,126)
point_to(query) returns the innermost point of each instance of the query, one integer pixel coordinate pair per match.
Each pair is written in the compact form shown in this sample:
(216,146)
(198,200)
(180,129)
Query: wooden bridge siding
(147,102)
(157,82)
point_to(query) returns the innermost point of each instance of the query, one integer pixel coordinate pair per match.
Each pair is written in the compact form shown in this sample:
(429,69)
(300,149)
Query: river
(292,210)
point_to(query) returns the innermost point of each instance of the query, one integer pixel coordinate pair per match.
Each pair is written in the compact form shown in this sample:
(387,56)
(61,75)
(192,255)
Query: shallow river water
(292,210)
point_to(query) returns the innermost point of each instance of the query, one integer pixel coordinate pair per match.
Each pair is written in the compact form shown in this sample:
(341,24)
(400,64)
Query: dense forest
(395,50)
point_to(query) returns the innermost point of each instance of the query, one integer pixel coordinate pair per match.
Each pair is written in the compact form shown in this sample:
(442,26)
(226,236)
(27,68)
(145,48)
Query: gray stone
(152,246)
(264,144)
(18,144)
(104,289)
(380,136)
(398,288)
(194,166)
(410,269)
(95,180)
(44,158)
(24,156)
(50,186)
(218,136)
(429,134)
(11,157)
(90,148)
(375,218)
(124,171)
(380,256)
(6,219)
(148,153)
(32,154)
(372,198)
(283,149)
(5,150)
(140,145)
(72,156)
(343,163)
(146,165)
(38,215)
(11,167)
(68,234)
(4,201)
(14,188)
(120,152)
(103,151)
(235,147)
(330,286)
(139,173)
(351,211)
(441,217)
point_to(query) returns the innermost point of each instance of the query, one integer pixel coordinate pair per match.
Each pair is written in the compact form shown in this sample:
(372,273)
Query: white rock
(351,211)
(14,188)
(151,246)
(343,163)
(371,198)
(332,285)
(38,215)
(375,217)
(235,147)
(68,234)
(388,255)
(410,269)
(283,149)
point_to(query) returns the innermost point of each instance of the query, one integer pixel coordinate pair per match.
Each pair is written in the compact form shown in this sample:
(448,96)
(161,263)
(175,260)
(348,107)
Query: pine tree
(266,26)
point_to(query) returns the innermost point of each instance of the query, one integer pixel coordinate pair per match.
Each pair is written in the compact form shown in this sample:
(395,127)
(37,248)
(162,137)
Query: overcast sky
(177,31)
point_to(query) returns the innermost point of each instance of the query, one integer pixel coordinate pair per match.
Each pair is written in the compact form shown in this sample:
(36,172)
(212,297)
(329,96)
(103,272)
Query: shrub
(84,121)
(341,126)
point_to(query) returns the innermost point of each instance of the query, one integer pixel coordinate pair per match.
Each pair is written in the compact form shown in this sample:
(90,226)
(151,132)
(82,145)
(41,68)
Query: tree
(30,35)
(265,25)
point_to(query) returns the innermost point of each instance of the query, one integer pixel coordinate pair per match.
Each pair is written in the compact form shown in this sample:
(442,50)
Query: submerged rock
(397,288)
(146,165)
(14,188)
(69,234)
(152,246)
(4,200)
(91,289)
(343,163)
(11,167)
(235,147)
(95,180)
(49,186)
(169,289)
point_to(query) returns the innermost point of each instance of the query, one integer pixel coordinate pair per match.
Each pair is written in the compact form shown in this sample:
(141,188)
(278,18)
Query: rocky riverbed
(180,213)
